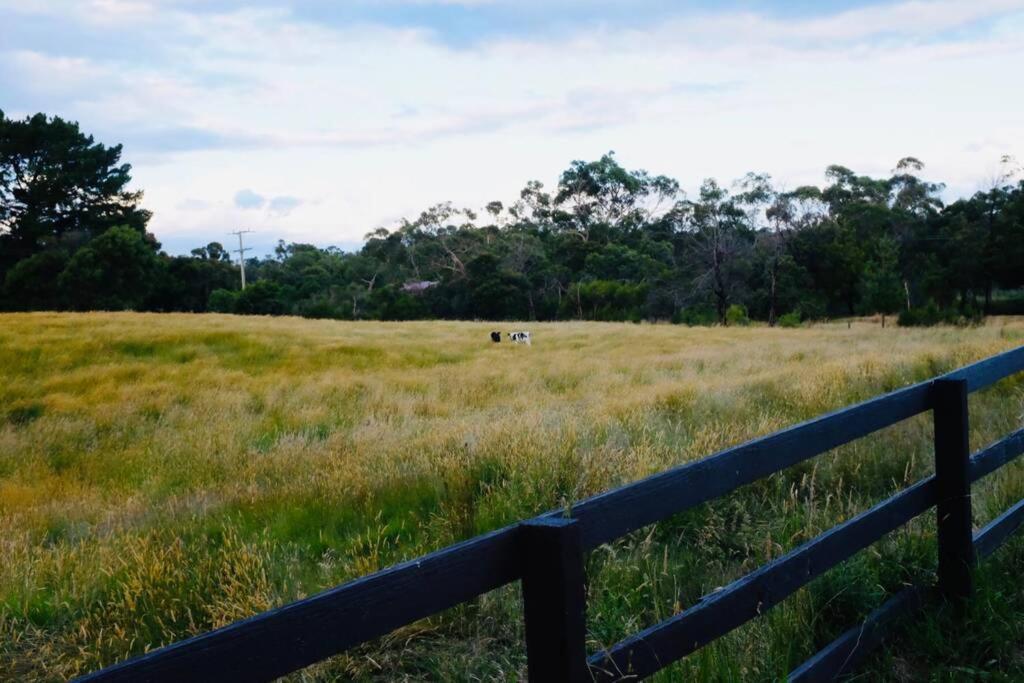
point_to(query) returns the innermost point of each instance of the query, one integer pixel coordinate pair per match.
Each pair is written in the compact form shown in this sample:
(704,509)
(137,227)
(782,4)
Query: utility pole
(241,253)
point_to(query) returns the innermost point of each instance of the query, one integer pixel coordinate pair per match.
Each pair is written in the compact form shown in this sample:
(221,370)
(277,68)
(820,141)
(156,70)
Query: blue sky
(321,120)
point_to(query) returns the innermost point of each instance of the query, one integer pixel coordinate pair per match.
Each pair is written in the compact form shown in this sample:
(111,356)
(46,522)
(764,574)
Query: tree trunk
(721,300)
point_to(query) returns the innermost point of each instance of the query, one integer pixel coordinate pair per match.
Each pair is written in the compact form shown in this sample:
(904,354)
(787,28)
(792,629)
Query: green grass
(161,475)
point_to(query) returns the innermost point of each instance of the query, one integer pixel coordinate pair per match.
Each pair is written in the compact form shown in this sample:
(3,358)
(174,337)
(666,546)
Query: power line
(241,252)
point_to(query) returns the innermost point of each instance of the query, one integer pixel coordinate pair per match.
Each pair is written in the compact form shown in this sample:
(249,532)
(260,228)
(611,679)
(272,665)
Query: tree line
(606,243)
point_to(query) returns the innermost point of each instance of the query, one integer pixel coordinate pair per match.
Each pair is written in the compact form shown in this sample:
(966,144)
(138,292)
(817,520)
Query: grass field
(161,475)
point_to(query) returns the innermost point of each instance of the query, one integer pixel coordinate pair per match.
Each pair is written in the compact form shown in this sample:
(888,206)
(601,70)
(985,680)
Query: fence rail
(547,554)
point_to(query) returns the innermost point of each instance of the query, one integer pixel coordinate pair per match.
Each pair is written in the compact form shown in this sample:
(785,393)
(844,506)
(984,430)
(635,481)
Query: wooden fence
(547,555)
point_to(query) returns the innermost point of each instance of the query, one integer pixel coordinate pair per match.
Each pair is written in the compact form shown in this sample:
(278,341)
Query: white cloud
(52,75)
(284,205)
(367,122)
(918,18)
(247,199)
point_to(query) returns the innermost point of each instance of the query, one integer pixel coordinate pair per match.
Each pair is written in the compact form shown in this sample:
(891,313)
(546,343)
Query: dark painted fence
(547,555)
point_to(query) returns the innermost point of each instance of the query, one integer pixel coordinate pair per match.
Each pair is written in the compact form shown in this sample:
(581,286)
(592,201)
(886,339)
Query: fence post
(554,601)
(952,474)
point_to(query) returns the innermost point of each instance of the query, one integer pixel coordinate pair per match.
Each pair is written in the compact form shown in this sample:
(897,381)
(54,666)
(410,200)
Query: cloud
(381,108)
(184,139)
(247,199)
(283,205)
(193,204)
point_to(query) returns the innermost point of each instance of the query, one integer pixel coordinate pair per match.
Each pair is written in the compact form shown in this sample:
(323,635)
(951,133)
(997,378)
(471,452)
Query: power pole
(241,253)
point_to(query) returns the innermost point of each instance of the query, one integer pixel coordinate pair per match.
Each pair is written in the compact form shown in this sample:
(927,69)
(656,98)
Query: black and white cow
(495,337)
(520,337)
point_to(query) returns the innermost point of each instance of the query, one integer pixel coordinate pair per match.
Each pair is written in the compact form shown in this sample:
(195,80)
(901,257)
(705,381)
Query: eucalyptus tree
(717,242)
(441,241)
(601,198)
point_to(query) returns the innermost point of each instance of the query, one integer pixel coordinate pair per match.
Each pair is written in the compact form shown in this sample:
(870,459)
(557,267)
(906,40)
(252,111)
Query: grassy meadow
(162,475)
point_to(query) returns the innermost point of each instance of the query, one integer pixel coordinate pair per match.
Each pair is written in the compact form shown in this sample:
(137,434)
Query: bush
(812,307)
(32,283)
(114,272)
(791,319)
(222,301)
(321,308)
(737,315)
(1006,307)
(264,297)
(607,300)
(695,315)
(925,316)
(930,314)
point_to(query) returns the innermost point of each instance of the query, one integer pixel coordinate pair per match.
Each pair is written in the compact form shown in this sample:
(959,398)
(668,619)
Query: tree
(496,293)
(32,283)
(260,298)
(882,292)
(59,187)
(786,214)
(911,194)
(214,251)
(602,195)
(222,301)
(717,244)
(437,245)
(185,283)
(608,243)
(1008,237)
(114,272)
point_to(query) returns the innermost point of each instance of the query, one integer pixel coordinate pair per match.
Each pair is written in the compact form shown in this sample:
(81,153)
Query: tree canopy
(606,243)
(59,188)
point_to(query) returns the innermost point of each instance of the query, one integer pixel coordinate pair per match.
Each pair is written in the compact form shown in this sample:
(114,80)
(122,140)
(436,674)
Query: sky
(320,121)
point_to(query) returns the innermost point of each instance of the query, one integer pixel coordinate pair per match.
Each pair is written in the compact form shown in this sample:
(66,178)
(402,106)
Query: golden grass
(161,475)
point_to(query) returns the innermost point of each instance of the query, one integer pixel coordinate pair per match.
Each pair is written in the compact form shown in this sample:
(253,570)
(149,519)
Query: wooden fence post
(554,601)
(952,473)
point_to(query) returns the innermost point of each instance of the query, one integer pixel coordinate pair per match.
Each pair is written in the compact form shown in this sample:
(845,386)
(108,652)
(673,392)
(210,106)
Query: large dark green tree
(59,188)
(718,239)
(881,291)
(115,271)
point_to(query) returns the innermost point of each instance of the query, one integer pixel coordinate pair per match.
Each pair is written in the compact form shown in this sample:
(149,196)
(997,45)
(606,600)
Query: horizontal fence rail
(546,553)
(845,652)
(739,602)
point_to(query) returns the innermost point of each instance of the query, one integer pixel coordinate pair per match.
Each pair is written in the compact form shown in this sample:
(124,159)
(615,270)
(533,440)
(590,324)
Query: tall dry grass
(161,475)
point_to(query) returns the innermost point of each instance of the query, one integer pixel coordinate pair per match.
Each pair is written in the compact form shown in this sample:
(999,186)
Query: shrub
(737,315)
(607,299)
(114,272)
(1006,307)
(694,316)
(222,301)
(32,283)
(264,297)
(320,308)
(791,319)
(812,307)
(930,314)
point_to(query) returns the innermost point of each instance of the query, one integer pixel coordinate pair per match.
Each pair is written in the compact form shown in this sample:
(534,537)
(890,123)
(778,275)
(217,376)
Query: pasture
(161,475)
